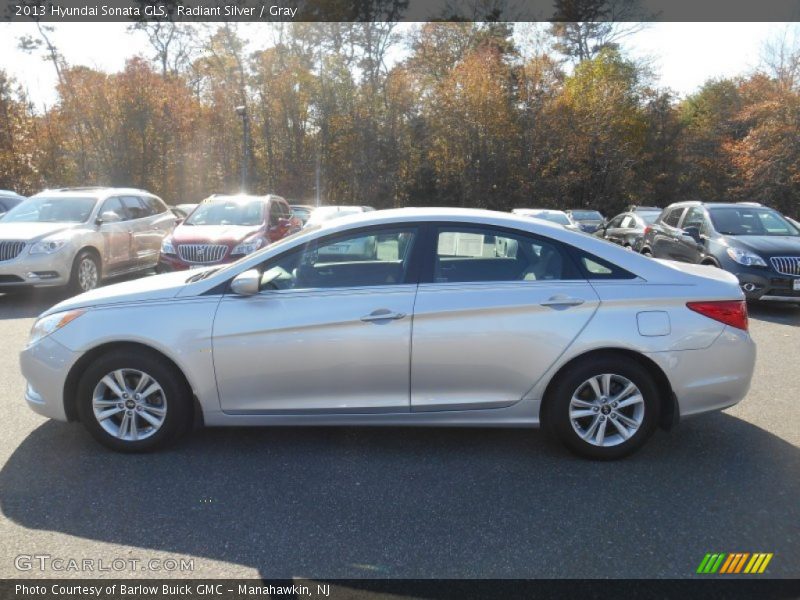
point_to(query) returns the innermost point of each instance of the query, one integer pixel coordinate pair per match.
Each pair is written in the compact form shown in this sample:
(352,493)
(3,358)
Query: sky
(682,55)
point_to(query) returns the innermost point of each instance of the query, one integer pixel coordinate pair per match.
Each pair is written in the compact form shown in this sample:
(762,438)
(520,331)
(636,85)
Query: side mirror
(108,216)
(247,283)
(691,231)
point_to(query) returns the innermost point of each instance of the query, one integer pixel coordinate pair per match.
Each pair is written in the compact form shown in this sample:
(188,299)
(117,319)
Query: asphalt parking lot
(357,502)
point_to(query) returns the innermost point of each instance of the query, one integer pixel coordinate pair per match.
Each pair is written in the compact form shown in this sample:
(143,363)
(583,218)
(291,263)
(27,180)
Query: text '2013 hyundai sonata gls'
(460,318)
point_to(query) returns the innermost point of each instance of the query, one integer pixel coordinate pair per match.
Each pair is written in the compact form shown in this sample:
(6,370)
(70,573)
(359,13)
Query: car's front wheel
(133,401)
(604,407)
(85,274)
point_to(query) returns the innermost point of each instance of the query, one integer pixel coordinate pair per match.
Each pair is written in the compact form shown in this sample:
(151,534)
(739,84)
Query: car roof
(523,211)
(93,191)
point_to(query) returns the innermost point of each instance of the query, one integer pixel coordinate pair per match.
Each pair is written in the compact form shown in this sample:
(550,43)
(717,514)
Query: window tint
(115,205)
(616,222)
(673,217)
(155,206)
(275,212)
(355,260)
(487,254)
(135,207)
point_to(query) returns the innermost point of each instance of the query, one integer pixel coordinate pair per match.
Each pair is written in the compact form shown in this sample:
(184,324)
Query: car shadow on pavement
(398,502)
(783,314)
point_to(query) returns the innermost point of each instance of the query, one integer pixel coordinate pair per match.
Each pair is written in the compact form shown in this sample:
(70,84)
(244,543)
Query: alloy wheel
(129,404)
(606,410)
(87,274)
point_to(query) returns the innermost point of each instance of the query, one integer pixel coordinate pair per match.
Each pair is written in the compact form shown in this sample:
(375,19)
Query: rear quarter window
(594,267)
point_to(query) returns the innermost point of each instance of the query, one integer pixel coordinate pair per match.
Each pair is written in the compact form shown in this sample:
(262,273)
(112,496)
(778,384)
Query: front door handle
(561,300)
(382,314)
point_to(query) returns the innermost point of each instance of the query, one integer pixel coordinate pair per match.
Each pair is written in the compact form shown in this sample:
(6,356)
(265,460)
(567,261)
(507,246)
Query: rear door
(494,310)
(666,234)
(160,222)
(612,232)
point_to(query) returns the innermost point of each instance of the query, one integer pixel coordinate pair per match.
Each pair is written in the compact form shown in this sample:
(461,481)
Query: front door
(492,315)
(117,240)
(329,332)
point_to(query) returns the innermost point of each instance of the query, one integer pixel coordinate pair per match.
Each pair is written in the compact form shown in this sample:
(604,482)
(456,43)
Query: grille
(788,265)
(9,250)
(202,254)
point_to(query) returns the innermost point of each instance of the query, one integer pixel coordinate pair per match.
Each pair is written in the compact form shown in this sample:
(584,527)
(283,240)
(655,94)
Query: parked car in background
(597,344)
(302,212)
(182,211)
(326,213)
(627,229)
(8,200)
(80,236)
(588,220)
(755,243)
(558,217)
(224,228)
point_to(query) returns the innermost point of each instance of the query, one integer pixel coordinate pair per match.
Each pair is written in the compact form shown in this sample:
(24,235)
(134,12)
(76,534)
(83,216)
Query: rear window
(587,215)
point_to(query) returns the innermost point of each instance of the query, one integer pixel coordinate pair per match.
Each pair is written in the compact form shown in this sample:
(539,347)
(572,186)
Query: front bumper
(36,269)
(712,378)
(767,284)
(45,366)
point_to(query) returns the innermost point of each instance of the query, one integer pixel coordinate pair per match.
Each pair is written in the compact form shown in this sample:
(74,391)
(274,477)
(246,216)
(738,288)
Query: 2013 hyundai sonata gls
(461,318)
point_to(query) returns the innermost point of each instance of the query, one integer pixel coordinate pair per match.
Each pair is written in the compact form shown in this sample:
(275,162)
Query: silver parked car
(516,322)
(79,236)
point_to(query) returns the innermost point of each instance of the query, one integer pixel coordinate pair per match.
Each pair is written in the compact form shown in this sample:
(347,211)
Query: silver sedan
(462,318)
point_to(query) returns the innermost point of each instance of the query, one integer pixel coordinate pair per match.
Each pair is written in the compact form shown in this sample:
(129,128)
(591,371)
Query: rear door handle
(561,300)
(382,314)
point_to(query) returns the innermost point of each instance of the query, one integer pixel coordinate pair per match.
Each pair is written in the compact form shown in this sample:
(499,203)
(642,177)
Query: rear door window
(673,217)
(465,255)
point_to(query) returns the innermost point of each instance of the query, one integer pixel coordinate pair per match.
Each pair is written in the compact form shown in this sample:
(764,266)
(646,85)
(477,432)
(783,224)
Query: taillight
(647,230)
(730,312)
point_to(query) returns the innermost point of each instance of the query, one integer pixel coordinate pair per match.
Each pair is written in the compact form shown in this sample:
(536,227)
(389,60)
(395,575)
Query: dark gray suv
(755,243)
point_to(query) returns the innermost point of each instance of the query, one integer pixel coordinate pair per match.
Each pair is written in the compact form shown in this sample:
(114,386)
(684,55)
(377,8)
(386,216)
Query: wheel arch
(97,254)
(667,400)
(74,375)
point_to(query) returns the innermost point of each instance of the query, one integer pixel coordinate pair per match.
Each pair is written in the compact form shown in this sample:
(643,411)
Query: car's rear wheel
(604,407)
(133,401)
(85,274)
(647,253)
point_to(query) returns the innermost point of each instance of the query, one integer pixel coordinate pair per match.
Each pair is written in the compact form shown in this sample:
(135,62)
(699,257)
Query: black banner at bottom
(335,589)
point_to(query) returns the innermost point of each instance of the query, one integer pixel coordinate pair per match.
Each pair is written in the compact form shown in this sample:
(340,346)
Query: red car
(223,229)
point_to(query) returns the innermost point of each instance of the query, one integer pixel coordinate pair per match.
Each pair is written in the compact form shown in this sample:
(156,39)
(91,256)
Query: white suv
(78,236)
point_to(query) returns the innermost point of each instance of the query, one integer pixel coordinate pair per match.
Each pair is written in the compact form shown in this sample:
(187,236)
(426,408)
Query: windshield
(45,209)
(750,221)
(228,213)
(587,215)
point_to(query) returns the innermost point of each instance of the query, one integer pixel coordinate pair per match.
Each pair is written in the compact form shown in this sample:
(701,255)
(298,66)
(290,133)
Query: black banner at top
(398,10)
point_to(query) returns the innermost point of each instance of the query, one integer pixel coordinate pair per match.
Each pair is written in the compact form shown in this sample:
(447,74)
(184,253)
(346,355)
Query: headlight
(47,246)
(167,247)
(248,247)
(746,258)
(52,323)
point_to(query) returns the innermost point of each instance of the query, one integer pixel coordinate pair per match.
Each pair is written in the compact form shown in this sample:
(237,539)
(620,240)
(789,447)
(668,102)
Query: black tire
(176,397)
(556,413)
(646,252)
(77,284)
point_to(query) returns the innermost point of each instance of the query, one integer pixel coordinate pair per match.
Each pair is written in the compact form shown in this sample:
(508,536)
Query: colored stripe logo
(737,562)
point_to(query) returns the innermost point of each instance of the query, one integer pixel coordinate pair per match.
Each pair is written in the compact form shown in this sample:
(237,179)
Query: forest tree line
(472,114)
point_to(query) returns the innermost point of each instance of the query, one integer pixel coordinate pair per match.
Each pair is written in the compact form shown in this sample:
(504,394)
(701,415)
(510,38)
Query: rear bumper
(713,378)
